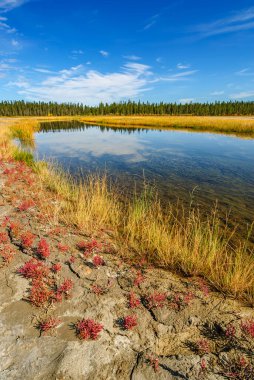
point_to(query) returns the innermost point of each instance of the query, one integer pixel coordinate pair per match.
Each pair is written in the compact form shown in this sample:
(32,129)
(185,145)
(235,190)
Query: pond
(202,167)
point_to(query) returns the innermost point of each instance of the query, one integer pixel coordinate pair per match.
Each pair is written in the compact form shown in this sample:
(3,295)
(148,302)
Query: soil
(179,327)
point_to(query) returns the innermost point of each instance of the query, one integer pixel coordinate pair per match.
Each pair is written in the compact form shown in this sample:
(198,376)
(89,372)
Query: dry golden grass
(186,243)
(238,125)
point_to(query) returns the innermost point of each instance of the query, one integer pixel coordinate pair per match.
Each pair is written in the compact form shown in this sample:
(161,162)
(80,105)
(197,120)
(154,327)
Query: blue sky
(84,51)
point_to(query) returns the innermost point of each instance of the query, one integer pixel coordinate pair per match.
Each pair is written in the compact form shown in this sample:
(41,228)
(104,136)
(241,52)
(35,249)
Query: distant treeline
(22,108)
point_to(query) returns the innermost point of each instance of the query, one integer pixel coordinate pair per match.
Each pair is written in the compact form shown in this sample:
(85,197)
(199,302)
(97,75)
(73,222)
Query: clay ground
(179,327)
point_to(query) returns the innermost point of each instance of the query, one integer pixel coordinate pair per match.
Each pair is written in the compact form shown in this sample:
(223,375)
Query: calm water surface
(218,167)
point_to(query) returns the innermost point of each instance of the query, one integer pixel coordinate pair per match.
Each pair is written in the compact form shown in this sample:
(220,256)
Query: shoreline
(186,245)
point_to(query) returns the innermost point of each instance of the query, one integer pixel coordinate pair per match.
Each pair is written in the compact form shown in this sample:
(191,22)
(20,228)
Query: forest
(23,108)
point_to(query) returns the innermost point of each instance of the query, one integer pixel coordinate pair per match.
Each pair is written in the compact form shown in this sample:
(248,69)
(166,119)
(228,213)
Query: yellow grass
(238,125)
(186,243)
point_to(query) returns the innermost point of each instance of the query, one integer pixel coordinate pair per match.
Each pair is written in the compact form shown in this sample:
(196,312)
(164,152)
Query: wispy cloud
(77,52)
(245,72)
(91,87)
(104,53)
(217,93)
(242,95)
(77,84)
(186,100)
(43,71)
(237,21)
(8,5)
(182,66)
(132,57)
(152,21)
(183,75)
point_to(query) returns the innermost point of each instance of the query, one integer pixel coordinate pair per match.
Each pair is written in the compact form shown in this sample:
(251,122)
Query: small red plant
(43,249)
(181,300)
(98,290)
(56,267)
(133,301)
(154,363)
(15,228)
(27,239)
(40,294)
(156,300)
(139,278)
(5,221)
(203,287)
(89,247)
(24,206)
(34,269)
(72,259)
(62,247)
(98,261)
(247,328)
(4,238)
(49,324)
(129,322)
(203,365)
(7,253)
(88,329)
(65,287)
(203,346)
(230,331)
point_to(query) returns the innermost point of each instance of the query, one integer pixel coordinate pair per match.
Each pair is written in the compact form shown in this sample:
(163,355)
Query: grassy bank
(186,243)
(237,125)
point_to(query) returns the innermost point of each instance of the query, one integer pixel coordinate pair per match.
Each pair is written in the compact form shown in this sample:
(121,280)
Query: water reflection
(219,167)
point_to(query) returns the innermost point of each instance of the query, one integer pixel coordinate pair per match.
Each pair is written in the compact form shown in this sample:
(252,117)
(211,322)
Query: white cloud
(183,75)
(80,84)
(21,82)
(76,52)
(217,93)
(15,43)
(237,21)
(43,71)
(153,20)
(6,27)
(104,53)
(186,100)
(242,95)
(245,72)
(7,5)
(182,66)
(89,87)
(132,57)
